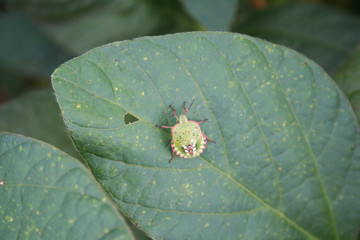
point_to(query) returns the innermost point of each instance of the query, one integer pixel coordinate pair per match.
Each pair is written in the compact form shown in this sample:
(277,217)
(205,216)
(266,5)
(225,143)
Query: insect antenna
(187,110)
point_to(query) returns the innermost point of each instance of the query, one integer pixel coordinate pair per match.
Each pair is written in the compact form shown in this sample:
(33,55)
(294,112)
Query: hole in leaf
(129,118)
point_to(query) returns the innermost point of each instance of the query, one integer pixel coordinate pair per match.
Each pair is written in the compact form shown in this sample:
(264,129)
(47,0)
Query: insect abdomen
(188,140)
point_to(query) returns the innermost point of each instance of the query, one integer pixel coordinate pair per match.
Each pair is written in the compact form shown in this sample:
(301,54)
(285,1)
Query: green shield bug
(188,141)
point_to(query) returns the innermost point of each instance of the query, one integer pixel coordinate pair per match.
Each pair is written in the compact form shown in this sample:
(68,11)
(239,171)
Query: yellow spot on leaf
(231,84)
(142,93)
(207,225)
(9,219)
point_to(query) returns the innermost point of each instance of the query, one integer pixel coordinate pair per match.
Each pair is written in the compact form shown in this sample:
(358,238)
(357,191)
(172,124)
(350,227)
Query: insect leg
(173,156)
(203,120)
(162,126)
(173,110)
(212,141)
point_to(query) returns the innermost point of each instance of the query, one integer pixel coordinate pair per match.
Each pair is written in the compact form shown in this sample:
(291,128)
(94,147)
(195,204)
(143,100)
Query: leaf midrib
(196,212)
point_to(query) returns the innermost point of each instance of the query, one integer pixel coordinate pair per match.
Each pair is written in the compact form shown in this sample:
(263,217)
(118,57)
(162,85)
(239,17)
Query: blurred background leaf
(348,79)
(213,14)
(112,20)
(326,35)
(36,114)
(27,55)
(54,9)
(25,48)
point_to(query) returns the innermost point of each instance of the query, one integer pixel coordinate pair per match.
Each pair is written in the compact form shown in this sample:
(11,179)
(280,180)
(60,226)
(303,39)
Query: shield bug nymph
(188,140)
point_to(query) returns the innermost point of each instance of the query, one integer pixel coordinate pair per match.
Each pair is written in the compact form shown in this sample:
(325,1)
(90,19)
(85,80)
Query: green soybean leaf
(46,194)
(213,14)
(37,115)
(347,77)
(286,162)
(326,35)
